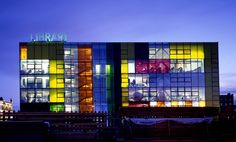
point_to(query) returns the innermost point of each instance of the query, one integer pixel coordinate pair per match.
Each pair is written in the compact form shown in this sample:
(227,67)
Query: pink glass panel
(159,66)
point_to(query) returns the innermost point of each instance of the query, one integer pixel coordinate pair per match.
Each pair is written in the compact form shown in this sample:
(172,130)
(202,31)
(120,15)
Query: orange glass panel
(23,53)
(85,79)
(188,103)
(160,104)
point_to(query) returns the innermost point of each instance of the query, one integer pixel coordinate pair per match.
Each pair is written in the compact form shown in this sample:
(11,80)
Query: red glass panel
(138,104)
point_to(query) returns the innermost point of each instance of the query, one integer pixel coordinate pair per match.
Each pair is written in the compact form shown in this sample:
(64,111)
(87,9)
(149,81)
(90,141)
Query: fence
(64,126)
(103,126)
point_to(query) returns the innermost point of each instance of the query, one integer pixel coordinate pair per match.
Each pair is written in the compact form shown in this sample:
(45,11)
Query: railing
(102,125)
(169,112)
(166,129)
(68,125)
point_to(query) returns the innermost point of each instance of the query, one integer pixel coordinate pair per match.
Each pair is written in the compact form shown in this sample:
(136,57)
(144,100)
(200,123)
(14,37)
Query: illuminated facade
(64,76)
(5,105)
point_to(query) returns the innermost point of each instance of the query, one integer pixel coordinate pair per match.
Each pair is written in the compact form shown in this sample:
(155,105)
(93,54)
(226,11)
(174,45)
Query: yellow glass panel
(194,52)
(173,57)
(60,95)
(60,85)
(56,67)
(23,53)
(60,69)
(174,103)
(124,80)
(173,52)
(200,52)
(53,66)
(186,56)
(53,81)
(124,104)
(60,76)
(124,84)
(60,100)
(59,66)
(124,61)
(124,75)
(179,56)
(56,81)
(53,95)
(186,52)
(202,103)
(60,80)
(125,94)
(180,51)
(124,68)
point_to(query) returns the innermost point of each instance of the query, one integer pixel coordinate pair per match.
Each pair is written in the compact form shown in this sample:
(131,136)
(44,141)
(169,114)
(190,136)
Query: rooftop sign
(48,37)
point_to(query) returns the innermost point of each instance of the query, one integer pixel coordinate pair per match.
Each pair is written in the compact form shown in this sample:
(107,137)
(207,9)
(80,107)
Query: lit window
(131,67)
(97,69)
(168,104)
(202,103)
(153,104)
(23,53)
(67,52)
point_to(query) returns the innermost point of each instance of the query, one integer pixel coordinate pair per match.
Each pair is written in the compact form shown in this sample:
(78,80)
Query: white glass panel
(153,104)
(167,104)
(97,69)
(131,67)
(195,103)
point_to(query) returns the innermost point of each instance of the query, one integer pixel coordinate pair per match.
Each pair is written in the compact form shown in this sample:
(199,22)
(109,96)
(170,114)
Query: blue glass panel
(166,80)
(201,79)
(160,80)
(153,75)
(194,79)
(99,78)
(153,80)
(103,51)
(95,53)
(167,94)
(160,94)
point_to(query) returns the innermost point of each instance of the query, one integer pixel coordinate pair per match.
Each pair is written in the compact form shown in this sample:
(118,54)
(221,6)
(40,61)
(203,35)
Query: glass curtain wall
(85,77)
(100,69)
(172,76)
(71,78)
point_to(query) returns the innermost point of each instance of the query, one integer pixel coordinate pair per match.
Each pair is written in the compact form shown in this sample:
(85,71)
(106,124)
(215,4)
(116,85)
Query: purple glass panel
(141,66)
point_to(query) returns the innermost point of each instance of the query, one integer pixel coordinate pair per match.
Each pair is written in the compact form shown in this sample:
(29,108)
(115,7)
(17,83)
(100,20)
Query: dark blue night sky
(118,20)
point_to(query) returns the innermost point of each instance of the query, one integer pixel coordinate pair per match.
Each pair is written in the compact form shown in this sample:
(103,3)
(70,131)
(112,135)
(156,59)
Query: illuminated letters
(48,37)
